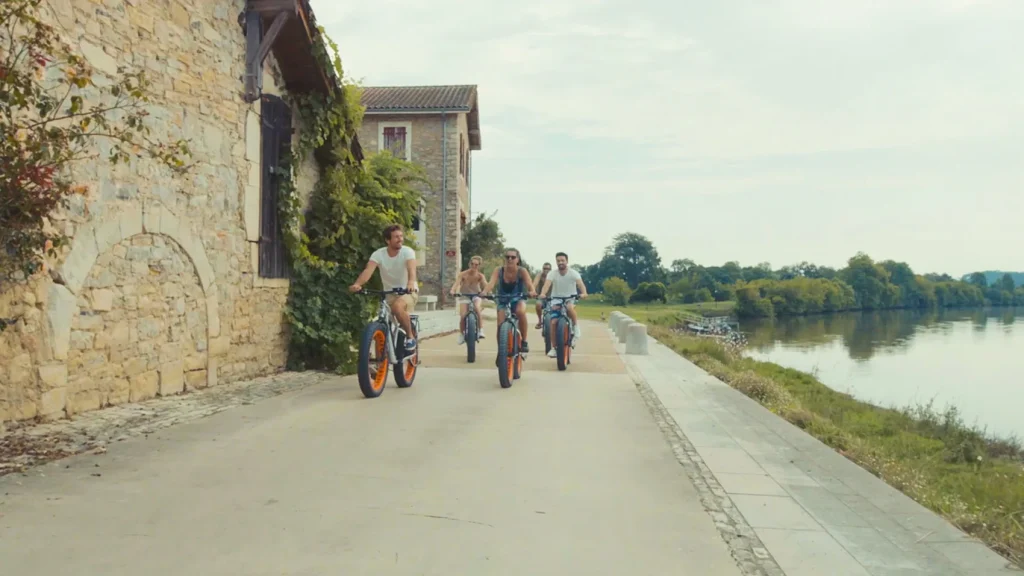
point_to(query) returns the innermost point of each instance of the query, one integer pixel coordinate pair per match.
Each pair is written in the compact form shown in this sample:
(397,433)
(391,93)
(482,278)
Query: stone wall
(427,149)
(67,351)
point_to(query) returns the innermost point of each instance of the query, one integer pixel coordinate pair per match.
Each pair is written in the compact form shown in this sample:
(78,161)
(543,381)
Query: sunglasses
(510,256)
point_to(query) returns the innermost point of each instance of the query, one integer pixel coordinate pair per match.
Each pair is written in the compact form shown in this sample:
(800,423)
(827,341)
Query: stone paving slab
(814,511)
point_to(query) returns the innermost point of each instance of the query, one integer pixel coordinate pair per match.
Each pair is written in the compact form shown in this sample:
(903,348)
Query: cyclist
(397,264)
(513,279)
(563,283)
(537,283)
(473,279)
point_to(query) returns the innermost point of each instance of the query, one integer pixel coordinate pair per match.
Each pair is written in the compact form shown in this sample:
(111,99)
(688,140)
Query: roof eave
(382,111)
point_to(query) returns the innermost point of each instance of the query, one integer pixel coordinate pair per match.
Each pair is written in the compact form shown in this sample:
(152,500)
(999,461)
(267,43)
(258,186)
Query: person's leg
(463,310)
(400,308)
(478,306)
(540,311)
(524,322)
(570,309)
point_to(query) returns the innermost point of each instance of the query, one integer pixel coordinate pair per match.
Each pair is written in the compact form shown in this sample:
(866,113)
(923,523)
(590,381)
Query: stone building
(170,283)
(437,127)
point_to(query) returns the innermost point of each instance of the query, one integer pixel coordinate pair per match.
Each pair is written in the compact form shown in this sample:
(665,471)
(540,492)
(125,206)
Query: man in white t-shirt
(562,283)
(397,265)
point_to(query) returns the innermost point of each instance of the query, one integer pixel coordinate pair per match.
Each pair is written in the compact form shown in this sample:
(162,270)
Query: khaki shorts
(410,300)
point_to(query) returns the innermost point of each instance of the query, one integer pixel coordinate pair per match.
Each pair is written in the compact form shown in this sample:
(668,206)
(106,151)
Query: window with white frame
(395,137)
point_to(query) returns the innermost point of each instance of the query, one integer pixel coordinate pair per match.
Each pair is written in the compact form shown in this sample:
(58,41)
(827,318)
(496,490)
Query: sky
(754,131)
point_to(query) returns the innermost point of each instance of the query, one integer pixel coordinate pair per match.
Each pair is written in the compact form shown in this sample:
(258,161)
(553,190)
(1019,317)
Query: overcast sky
(756,130)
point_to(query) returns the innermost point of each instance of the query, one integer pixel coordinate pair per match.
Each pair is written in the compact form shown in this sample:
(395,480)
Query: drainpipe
(469,184)
(444,201)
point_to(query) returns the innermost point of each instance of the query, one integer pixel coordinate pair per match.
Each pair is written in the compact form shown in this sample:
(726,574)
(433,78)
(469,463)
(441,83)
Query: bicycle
(545,324)
(564,331)
(510,341)
(383,345)
(471,332)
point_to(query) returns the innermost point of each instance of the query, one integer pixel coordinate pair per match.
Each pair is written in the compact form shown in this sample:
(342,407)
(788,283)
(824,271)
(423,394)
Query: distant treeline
(633,272)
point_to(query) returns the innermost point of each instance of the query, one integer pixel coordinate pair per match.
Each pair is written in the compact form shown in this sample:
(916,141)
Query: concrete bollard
(636,339)
(620,324)
(624,329)
(614,319)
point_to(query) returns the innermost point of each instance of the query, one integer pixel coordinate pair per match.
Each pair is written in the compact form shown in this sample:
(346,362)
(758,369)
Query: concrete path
(564,473)
(814,511)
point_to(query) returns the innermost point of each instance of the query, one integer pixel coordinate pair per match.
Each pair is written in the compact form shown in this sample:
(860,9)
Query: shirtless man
(474,281)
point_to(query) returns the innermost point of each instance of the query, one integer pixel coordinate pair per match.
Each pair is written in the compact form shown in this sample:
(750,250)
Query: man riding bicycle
(475,281)
(563,283)
(512,279)
(539,282)
(397,264)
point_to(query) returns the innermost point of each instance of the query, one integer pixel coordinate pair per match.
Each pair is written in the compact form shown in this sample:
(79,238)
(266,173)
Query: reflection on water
(973,359)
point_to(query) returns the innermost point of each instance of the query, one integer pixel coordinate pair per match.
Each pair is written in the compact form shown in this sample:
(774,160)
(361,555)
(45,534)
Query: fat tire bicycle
(383,345)
(545,324)
(510,341)
(471,333)
(563,329)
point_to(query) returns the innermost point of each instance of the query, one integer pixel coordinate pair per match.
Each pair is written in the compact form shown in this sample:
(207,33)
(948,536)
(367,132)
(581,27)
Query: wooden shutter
(277,137)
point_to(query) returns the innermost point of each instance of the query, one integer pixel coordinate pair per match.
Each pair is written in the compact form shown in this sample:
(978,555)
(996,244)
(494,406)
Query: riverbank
(595,309)
(975,482)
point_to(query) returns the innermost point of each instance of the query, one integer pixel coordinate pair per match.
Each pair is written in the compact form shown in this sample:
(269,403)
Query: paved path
(564,473)
(814,511)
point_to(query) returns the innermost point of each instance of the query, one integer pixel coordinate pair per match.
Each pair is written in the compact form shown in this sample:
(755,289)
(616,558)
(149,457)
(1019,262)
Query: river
(972,359)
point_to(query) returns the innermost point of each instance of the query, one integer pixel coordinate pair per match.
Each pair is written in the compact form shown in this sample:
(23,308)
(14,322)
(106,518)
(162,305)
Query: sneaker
(461,339)
(410,344)
(576,332)
(552,353)
(539,325)
(526,347)
(481,336)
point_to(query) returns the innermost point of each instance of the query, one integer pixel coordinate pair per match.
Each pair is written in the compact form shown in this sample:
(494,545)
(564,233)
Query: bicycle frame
(386,317)
(556,313)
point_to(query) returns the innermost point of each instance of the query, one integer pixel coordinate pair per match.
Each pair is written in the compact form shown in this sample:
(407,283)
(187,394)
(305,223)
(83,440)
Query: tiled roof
(419,98)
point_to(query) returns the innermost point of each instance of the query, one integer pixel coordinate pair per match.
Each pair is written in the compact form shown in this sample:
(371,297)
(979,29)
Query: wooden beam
(256,49)
(270,7)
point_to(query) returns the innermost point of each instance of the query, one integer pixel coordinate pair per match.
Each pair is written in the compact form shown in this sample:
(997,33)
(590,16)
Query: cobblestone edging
(747,549)
(24,445)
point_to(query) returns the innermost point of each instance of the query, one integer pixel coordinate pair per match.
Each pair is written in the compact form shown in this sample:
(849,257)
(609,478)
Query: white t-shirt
(563,285)
(393,273)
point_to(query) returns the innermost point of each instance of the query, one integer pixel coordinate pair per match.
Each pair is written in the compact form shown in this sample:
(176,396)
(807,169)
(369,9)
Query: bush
(650,292)
(616,291)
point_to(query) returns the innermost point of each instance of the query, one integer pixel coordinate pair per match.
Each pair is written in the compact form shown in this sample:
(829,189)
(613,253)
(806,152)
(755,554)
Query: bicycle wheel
(547,333)
(373,360)
(562,347)
(471,336)
(408,364)
(506,357)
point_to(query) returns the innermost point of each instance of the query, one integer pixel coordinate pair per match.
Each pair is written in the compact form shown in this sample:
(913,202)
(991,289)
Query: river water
(972,359)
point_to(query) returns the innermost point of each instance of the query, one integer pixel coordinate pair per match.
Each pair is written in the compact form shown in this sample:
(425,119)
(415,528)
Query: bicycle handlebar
(400,291)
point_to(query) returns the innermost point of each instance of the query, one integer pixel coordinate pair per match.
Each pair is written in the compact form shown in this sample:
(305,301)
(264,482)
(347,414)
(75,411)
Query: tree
(1007,284)
(636,256)
(51,114)
(978,279)
(483,238)
(616,291)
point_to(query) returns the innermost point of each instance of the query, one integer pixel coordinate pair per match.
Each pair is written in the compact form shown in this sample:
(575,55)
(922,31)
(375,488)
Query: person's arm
(410,266)
(492,282)
(546,288)
(364,276)
(580,286)
(529,284)
(457,285)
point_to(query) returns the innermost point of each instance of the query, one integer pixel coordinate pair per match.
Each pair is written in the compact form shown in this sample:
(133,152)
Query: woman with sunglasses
(513,280)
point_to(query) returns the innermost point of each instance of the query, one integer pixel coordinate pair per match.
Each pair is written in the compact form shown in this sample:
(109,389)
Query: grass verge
(593,308)
(973,480)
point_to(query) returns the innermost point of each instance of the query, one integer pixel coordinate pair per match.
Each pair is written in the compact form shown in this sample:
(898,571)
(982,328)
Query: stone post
(614,319)
(636,339)
(624,329)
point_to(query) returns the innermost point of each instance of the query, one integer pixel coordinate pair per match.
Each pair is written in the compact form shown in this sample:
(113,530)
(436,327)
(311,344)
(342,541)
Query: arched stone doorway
(134,310)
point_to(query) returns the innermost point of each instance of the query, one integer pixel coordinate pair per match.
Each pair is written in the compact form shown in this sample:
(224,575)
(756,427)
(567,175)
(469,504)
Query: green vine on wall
(330,241)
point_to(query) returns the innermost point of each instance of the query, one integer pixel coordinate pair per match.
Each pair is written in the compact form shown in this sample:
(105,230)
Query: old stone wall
(429,138)
(214,316)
